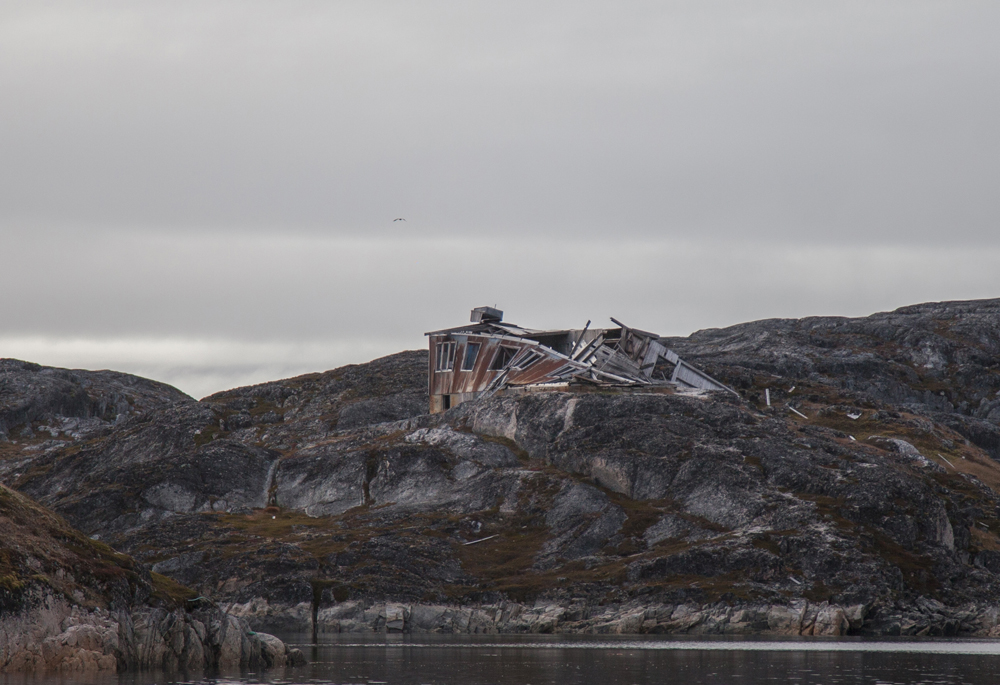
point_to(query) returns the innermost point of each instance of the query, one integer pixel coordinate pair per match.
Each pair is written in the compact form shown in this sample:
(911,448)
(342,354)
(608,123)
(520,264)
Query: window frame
(444,360)
(503,349)
(466,366)
(532,357)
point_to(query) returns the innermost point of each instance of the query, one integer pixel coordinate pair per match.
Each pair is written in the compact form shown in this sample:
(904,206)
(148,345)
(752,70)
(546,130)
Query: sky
(204,192)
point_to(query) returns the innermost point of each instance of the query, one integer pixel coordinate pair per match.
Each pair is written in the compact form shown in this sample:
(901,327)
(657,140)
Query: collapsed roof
(493,354)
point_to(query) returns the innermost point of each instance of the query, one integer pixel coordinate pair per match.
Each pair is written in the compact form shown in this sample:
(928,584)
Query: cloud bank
(204,192)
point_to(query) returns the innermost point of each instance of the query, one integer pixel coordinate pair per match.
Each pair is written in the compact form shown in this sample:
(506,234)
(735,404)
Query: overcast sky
(204,192)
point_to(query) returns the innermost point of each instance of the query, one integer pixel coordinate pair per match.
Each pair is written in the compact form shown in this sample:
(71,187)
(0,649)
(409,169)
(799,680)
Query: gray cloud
(782,119)
(224,175)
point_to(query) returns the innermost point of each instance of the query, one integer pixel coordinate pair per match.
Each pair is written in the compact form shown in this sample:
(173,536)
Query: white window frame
(531,358)
(444,360)
(465,357)
(500,350)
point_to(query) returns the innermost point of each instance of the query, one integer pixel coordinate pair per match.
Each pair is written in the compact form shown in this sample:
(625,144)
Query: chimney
(486,315)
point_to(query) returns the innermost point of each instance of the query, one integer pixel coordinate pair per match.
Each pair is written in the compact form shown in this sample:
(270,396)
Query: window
(502,358)
(567,370)
(445,356)
(471,354)
(528,359)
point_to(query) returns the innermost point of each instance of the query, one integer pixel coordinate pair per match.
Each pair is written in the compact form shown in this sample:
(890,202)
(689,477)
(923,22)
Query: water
(600,660)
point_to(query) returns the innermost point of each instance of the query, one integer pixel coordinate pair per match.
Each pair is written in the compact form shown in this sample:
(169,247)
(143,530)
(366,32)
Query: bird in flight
(399,219)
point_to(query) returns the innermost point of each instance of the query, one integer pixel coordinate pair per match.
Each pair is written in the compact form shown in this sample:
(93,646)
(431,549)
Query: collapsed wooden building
(489,355)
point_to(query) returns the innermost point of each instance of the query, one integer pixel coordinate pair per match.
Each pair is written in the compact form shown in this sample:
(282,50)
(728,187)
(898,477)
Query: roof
(492,327)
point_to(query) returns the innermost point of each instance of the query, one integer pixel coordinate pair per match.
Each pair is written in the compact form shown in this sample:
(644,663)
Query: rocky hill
(942,359)
(69,603)
(37,399)
(43,408)
(852,487)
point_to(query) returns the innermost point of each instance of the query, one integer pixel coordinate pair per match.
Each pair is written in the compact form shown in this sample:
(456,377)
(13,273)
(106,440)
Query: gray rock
(55,636)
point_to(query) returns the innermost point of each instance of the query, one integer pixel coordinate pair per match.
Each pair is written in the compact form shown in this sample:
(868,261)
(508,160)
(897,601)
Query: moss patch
(170,592)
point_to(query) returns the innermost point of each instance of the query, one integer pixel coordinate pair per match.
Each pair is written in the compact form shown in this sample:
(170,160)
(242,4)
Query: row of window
(445,357)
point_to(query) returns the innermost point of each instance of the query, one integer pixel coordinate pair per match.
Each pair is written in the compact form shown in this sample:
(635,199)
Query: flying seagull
(399,219)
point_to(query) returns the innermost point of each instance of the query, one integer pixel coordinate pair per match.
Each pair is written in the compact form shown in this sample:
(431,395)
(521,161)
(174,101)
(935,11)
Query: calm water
(545,660)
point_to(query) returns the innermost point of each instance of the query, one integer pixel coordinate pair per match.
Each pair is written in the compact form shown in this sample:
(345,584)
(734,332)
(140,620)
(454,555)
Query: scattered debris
(473,542)
(904,448)
(797,412)
(795,580)
(767,396)
(854,417)
(853,439)
(489,355)
(946,461)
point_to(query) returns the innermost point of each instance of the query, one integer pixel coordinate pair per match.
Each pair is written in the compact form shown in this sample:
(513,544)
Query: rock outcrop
(939,358)
(70,604)
(66,404)
(53,635)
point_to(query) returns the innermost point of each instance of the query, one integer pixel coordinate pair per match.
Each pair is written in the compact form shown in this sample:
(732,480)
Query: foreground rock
(69,604)
(53,635)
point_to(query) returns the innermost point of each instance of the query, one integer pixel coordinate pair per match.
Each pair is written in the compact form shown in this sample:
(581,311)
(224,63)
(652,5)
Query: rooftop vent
(486,315)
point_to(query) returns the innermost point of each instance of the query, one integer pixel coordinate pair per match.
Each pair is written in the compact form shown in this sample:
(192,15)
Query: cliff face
(863,499)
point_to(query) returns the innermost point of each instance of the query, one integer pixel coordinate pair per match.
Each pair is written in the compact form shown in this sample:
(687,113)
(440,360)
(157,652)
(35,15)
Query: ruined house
(489,355)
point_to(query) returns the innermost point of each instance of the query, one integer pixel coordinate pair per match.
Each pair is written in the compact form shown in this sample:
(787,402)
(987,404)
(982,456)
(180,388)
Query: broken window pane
(567,370)
(528,359)
(502,358)
(471,353)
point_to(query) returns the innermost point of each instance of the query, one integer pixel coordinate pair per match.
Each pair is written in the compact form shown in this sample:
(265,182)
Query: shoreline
(923,617)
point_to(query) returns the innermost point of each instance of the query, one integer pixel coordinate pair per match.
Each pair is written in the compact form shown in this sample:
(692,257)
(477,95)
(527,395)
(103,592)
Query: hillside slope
(44,408)
(941,359)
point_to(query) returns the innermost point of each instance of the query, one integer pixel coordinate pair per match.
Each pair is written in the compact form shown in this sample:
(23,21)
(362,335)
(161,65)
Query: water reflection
(589,660)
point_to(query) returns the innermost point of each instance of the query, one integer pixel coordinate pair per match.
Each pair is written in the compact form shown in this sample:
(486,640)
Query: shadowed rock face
(330,494)
(310,406)
(150,468)
(44,409)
